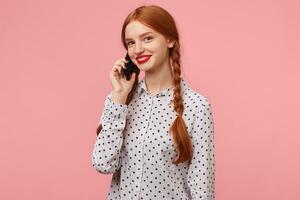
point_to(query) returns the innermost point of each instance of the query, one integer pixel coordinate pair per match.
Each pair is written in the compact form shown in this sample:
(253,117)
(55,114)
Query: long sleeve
(107,149)
(201,172)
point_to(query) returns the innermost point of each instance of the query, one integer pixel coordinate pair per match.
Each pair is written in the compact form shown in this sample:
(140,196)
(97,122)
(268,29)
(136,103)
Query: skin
(158,71)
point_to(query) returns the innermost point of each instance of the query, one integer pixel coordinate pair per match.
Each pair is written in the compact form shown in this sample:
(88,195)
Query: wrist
(119,97)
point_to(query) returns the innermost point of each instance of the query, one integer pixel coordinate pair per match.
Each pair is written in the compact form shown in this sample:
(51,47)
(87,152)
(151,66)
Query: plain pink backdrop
(55,57)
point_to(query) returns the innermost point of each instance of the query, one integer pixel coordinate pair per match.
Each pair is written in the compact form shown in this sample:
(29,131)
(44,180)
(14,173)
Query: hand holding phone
(122,78)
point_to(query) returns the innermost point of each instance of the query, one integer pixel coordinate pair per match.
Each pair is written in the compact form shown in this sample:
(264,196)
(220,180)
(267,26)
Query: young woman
(155,135)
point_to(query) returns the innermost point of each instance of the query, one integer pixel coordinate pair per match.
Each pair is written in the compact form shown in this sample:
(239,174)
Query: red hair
(161,21)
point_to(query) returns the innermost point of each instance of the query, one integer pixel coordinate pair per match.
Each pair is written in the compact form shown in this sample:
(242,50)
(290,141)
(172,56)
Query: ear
(171,44)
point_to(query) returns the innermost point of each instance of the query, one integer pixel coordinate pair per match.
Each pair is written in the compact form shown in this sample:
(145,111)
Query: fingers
(116,71)
(118,65)
(121,62)
(132,78)
(124,60)
(117,68)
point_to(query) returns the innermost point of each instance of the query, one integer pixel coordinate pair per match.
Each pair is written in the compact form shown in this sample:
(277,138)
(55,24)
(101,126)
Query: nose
(138,49)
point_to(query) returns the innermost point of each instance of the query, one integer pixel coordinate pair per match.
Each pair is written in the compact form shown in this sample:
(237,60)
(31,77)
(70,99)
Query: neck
(159,79)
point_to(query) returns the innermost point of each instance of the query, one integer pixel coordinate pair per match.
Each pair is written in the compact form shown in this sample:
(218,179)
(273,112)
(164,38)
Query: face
(142,40)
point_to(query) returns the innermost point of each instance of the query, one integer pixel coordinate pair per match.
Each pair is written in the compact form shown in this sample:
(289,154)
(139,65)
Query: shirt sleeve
(107,149)
(201,172)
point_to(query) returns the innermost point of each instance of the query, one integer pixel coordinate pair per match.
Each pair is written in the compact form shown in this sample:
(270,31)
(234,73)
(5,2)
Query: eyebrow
(126,39)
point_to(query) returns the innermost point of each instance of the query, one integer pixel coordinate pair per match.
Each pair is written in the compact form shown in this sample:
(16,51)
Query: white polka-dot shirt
(136,146)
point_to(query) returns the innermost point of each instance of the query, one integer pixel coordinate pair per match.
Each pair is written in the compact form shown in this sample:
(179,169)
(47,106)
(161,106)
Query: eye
(148,37)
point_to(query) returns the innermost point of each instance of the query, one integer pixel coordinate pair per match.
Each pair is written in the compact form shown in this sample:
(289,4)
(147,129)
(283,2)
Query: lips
(142,59)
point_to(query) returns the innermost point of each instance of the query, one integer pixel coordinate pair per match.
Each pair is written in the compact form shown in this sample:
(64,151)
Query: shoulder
(195,104)
(193,98)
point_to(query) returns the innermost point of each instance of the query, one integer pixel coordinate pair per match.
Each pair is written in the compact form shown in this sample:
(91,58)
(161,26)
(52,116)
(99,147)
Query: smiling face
(142,40)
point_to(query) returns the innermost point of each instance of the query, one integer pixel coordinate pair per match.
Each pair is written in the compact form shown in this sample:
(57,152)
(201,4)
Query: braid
(178,101)
(178,128)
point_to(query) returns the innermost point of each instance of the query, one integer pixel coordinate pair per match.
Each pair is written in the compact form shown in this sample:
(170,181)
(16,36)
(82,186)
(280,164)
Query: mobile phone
(130,68)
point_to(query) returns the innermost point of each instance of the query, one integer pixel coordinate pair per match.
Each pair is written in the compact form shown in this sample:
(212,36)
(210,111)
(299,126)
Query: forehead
(135,29)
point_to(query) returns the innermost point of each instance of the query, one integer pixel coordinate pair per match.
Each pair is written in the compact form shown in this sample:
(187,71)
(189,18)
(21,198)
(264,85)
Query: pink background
(55,57)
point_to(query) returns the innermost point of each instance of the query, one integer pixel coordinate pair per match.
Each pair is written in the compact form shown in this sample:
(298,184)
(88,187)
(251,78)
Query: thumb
(133,77)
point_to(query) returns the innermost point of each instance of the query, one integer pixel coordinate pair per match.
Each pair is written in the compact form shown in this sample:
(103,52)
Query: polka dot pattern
(136,147)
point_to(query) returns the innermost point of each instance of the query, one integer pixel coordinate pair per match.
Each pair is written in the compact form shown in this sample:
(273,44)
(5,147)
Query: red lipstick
(143,58)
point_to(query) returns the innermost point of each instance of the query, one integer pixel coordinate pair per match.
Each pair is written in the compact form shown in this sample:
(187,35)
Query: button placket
(141,166)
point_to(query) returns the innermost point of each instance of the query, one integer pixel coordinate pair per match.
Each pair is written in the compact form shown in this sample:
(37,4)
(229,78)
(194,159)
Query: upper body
(136,146)
(155,135)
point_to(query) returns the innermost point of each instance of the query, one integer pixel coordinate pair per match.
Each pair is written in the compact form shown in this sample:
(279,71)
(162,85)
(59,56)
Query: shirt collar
(167,93)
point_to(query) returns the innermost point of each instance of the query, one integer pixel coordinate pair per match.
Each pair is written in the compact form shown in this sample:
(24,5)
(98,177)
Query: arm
(107,149)
(201,173)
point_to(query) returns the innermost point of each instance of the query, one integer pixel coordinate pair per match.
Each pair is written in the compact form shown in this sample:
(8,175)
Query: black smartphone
(130,68)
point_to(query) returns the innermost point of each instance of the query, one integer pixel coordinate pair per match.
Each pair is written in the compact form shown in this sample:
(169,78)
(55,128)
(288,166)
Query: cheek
(156,48)
(161,52)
